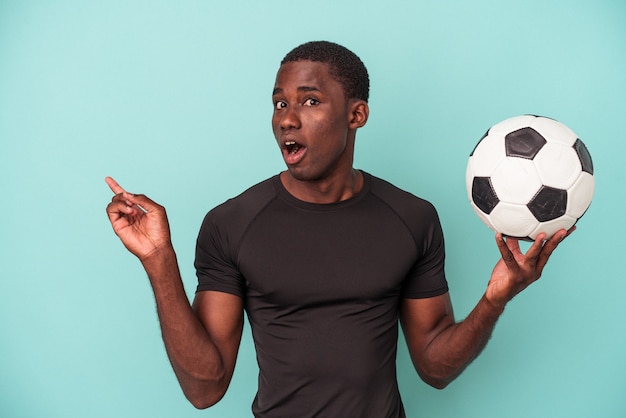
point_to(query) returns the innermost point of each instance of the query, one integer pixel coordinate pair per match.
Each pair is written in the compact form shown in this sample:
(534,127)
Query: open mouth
(292,147)
(293,152)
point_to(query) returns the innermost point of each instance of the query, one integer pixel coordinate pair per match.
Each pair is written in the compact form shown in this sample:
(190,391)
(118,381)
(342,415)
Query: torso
(322,294)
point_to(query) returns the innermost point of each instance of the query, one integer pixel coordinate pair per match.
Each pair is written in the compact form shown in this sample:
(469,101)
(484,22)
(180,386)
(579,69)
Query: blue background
(173,100)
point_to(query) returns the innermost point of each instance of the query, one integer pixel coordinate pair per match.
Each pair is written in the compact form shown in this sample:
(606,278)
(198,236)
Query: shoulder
(248,202)
(417,214)
(404,203)
(236,213)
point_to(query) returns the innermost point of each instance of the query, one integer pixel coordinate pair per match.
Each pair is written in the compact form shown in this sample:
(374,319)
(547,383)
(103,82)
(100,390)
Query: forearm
(195,358)
(457,345)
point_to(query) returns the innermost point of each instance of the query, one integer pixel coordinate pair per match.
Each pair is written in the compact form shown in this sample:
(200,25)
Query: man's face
(311,121)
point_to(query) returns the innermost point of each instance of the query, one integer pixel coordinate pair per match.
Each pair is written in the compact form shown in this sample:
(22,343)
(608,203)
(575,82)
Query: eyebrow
(278,90)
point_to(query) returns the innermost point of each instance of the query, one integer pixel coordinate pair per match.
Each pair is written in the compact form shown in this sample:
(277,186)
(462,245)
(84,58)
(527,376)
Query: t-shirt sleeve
(215,261)
(427,277)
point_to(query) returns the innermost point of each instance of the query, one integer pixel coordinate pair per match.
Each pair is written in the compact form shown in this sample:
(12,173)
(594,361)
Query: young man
(325,259)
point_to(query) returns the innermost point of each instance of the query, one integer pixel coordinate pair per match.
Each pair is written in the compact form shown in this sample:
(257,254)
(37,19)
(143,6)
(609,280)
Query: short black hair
(344,65)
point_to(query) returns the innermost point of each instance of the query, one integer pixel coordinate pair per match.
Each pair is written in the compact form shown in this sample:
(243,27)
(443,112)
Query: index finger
(115,187)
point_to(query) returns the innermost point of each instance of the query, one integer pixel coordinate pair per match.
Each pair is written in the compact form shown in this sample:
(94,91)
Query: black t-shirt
(322,285)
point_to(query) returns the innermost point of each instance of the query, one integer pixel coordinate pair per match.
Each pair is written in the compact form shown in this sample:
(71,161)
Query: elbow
(203,402)
(438,380)
(203,392)
(200,403)
(439,384)
(206,399)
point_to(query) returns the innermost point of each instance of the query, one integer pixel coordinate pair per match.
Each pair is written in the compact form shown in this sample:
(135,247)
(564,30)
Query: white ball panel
(487,156)
(554,131)
(580,195)
(516,180)
(551,227)
(513,220)
(558,165)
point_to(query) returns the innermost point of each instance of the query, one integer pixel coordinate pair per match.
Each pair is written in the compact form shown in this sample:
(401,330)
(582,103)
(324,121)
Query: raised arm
(201,341)
(442,348)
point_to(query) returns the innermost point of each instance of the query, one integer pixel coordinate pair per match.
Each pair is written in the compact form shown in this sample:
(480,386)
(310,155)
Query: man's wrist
(495,308)
(160,256)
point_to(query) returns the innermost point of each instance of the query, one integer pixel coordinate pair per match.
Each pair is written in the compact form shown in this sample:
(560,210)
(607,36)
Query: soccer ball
(530,174)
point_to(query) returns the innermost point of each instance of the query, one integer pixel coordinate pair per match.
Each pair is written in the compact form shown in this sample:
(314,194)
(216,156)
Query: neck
(328,190)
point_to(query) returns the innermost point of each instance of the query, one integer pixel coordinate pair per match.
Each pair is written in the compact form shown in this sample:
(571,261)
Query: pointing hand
(140,223)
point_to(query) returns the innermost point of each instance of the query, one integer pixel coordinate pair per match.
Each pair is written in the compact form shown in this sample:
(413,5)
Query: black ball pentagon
(585,157)
(549,203)
(483,194)
(523,143)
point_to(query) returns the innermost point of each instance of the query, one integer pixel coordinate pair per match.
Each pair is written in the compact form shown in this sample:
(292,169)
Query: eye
(311,102)
(279,104)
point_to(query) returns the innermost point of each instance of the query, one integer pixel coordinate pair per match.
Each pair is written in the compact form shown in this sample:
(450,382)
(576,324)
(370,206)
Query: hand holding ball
(530,174)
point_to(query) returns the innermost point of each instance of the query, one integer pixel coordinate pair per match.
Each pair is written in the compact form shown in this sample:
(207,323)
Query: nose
(290,118)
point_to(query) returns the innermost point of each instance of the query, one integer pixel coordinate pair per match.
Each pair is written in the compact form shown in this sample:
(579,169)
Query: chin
(304,175)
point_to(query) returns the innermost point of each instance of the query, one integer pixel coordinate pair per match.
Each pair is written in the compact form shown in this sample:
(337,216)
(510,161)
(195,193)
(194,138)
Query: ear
(359,112)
